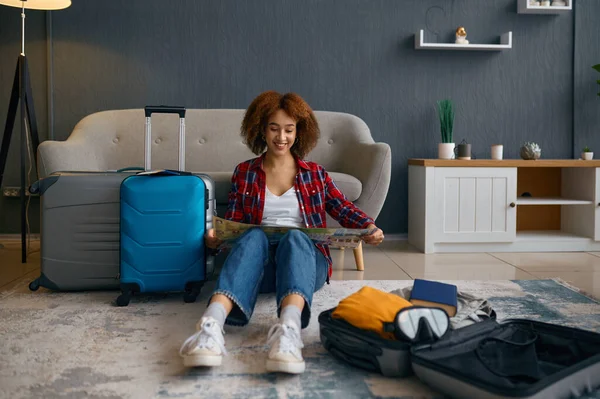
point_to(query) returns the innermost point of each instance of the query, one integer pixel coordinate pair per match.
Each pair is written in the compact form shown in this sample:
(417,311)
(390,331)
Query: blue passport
(435,294)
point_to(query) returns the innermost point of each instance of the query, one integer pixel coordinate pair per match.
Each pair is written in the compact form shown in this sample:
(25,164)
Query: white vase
(497,151)
(587,155)
(446,150)
(558,3)
(545,3)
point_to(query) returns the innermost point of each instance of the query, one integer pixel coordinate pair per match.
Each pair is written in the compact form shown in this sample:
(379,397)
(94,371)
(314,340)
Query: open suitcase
(162,225)
(489,359)
(80,236)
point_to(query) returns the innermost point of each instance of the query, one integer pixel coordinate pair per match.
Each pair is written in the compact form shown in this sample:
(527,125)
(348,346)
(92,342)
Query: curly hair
(266,104)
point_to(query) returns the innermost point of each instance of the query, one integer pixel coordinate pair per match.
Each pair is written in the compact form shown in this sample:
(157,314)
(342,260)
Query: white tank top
(283,210)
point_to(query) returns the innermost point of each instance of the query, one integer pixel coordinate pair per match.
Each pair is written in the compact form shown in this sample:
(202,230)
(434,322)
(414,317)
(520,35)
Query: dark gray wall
(353,56)
(586,110)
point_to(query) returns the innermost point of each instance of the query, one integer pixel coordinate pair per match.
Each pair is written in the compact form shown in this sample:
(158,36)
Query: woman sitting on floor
(276,188)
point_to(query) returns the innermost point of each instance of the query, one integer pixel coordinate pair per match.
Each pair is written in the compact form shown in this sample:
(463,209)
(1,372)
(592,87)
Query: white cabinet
(474,204)
(504,206)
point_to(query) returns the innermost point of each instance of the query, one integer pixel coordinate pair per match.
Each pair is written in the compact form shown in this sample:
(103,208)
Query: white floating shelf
(551,201)
(505,44)
(523,7)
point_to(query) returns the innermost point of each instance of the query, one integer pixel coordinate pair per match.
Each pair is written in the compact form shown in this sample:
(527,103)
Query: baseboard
(396,237)
(17,237)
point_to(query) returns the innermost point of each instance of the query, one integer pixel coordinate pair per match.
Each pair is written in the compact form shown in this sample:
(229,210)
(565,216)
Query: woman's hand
(375,237)
(211,240)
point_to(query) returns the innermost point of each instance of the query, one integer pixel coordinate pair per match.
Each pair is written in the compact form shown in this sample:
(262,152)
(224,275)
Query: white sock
(292,313)
(217,312)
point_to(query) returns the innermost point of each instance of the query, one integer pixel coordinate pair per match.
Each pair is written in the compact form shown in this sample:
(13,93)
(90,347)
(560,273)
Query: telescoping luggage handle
(163,109)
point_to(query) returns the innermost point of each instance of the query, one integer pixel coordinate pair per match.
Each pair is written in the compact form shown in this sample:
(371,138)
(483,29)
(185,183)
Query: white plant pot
(587,155)
(497,151)
(545,3)
(446,150)
(558,3)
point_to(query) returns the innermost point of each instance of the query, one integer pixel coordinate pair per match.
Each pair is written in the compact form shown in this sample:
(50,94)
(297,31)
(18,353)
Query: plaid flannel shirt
(316,192)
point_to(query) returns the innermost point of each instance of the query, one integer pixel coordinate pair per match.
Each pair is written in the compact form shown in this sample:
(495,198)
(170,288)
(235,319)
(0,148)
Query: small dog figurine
(461,36)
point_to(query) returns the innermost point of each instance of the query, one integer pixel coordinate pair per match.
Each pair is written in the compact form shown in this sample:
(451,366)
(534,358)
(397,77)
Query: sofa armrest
(371,163)
(69,155)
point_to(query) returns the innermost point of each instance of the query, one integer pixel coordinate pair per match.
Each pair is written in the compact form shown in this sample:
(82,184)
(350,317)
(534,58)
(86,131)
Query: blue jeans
(293,266)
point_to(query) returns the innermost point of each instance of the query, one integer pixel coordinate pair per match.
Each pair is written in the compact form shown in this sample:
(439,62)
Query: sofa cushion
(349,185)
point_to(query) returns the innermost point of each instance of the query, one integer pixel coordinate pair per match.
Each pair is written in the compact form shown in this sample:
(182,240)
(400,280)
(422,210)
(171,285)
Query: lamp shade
(38,4)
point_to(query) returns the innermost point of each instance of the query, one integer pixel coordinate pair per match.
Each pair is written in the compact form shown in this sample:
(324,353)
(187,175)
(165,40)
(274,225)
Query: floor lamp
(21,97)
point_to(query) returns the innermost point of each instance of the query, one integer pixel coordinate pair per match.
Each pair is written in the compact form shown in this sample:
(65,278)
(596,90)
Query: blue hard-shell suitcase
(162,225)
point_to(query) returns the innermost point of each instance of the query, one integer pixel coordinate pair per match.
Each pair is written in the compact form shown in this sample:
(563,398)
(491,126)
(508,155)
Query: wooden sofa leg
(358,257)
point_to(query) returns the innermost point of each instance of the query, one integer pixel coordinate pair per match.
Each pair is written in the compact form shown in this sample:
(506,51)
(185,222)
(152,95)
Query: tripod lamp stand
(21,97)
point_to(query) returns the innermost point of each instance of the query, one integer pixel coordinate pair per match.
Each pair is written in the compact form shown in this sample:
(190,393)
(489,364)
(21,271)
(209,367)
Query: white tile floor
(396,260)
(401,261)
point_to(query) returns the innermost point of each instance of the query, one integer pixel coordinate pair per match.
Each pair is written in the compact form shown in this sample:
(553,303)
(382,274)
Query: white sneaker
(206,347)
(285,354)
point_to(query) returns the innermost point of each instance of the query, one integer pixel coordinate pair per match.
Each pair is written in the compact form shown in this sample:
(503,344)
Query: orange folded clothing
(369,308)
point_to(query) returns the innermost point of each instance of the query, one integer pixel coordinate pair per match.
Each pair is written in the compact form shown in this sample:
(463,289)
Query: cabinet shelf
(505,43)
(551,201)
(549,236)
(523,7)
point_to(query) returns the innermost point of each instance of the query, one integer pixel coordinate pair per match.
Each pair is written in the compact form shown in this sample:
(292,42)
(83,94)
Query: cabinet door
(474,204)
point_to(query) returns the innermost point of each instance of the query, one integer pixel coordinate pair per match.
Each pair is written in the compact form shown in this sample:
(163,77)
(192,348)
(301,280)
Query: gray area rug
(78,345)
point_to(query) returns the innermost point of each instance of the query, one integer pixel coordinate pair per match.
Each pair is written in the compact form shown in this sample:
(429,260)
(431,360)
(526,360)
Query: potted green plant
(446,115)
(587,153)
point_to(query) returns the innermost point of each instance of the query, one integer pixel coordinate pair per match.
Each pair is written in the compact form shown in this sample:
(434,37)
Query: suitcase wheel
(127,291)
(34,285)
(190,297)
(192,290)
(123,299)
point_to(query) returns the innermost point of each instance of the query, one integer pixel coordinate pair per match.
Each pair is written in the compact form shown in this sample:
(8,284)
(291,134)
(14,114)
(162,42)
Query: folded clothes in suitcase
(80,236)
(489,359)
(163,222)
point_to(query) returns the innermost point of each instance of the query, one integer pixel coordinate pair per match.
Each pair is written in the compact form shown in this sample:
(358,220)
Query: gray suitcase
(513,358)
(79,228)
(80,236)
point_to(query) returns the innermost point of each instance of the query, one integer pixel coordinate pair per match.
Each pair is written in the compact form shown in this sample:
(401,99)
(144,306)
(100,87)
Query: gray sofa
(114,139)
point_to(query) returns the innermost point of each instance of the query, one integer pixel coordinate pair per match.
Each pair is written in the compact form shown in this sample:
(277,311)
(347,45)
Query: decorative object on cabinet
(446,116)
(505,44)
(481,205)
(530,151)
(461,35)
(463,150)
(587,154)
(497,151)
(544,7)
